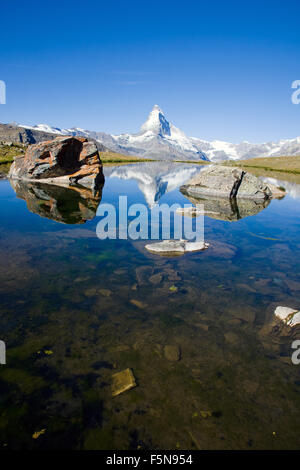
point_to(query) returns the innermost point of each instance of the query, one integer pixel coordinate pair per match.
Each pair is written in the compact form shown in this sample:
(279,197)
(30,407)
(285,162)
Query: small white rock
(195,246)
(193,212)
(289,315)
(176,246)
(295,320)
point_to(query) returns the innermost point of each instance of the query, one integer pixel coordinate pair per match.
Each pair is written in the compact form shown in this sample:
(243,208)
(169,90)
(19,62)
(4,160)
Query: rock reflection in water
(68,205)
(229,209)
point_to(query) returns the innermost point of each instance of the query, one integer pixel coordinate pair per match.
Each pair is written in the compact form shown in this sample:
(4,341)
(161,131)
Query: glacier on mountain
(160,140)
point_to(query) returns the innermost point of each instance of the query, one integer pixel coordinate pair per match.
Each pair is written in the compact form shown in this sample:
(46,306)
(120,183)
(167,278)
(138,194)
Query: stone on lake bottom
(289,316)
(173,288)
(138,303)
(156,278)
(122,381)
(172,353)
(105,292)
(191,211)
(231,338)
(205,414)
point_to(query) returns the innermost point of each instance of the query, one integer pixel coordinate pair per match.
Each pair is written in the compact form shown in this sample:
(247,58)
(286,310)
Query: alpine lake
(211,369)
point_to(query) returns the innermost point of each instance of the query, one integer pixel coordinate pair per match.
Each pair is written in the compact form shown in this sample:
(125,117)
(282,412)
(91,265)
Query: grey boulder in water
(226,182)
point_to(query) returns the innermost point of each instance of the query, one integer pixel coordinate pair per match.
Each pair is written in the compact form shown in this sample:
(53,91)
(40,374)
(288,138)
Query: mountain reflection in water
(155,179)
(76,204)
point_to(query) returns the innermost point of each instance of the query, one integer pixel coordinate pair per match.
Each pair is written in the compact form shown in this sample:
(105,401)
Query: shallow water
(76,309)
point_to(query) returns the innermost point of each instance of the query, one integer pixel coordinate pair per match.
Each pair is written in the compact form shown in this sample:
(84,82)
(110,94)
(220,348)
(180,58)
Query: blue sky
(219,70)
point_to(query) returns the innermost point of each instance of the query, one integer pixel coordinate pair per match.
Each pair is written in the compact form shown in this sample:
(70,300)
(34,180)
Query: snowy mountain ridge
(161,140)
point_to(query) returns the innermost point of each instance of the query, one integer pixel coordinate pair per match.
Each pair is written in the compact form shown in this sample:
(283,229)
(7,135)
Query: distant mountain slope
(157,139)
(161,140)
(33,135)
(219,150)
(19,134)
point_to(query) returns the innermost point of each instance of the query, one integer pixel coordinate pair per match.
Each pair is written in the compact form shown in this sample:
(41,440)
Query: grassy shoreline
(280,165)
(284,164)
(293,172)
(8,152)
(194,162)
(112,157)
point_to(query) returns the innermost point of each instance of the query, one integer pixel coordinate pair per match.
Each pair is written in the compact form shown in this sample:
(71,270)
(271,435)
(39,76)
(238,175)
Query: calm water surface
(76,309)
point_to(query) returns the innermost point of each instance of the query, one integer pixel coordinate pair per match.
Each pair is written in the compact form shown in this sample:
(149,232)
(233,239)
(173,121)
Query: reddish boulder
(63,161)
(68,205)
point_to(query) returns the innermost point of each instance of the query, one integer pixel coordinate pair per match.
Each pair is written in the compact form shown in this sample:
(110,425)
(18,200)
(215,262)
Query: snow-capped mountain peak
(159,139)
(45,128)
(156,123)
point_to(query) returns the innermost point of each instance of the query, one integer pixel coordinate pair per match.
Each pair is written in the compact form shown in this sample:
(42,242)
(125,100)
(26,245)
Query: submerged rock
(142,274)
(193,211)
(172,353)
(283,322)
(289,316)
(175,247)
(122,381)
(138,304)
(223,250)
(227,182)
(172,274)
(105,292)
(64,160)
(173,288)
(156,278)
(231,338)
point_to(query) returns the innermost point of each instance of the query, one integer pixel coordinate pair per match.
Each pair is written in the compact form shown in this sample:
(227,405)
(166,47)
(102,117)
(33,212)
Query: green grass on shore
(195,162)
(284,164)
(8,152)
(112,157)
(274,164)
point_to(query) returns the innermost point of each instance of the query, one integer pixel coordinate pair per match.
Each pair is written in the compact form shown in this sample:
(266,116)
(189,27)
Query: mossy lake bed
(75,310)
